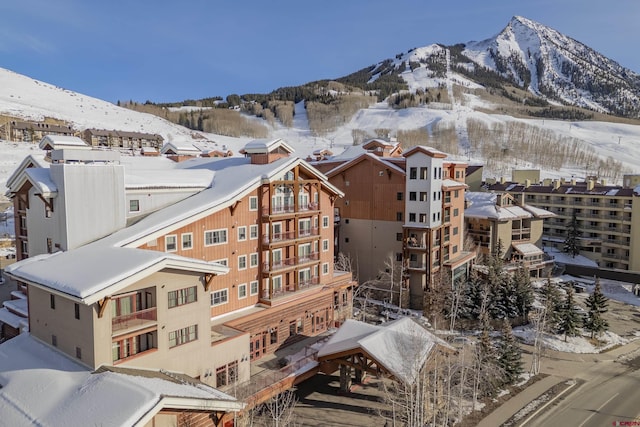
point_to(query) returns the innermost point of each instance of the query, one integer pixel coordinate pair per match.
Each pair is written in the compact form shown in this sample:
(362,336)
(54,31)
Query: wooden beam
(102,305)
(233,207)
(208,278)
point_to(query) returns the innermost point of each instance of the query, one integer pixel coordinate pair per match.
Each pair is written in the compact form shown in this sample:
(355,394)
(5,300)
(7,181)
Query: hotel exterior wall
(370,244)
(195,358)
(70,333)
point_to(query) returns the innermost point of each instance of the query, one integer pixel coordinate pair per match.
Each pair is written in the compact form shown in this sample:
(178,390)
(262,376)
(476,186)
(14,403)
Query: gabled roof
(41,180)
(365,156)
(87,274)
(17,179)
(429,151)
(483,205)
(401,347)
(41,386)
(53,142)
(263,146)
(185,149)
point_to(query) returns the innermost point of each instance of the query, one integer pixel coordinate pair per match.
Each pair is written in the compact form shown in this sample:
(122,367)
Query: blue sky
(173,50)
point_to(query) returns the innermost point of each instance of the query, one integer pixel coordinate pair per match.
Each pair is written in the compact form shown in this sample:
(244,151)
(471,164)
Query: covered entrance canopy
(397,349)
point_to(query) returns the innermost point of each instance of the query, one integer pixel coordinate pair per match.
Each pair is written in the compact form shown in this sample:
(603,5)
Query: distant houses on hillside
(12,129)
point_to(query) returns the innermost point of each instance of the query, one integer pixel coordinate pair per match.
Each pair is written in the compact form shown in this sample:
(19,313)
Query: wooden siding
(371,192)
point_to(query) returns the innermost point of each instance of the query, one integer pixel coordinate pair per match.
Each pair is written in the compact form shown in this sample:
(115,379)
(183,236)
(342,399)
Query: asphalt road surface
(609,398)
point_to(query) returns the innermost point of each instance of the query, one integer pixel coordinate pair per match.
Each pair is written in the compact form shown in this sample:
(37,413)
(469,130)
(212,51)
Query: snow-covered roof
(527,249)
(17,178)
(370,156)
(41,180)
(266,146)
(450,183)
(18,306)
(10,318)
(401,347)
(88,274)
(483,205)
(180,148)
(53,142)
(41,386)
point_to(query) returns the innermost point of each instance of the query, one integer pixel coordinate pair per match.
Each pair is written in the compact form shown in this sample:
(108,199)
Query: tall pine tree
(552,304)
(509,355)
(524,292)
(569,320)
(596,306)
(573,233)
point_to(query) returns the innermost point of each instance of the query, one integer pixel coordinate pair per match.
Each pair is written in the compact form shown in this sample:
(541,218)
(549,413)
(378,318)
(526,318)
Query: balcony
(312,281)
(291,235)
(289,208)
(417,265)
(290,262)
(135,320)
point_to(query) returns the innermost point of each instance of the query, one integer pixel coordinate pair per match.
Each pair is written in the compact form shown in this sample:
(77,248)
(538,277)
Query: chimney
(546,182)
(573,181)
(527,183)
(603,182)
(502,180)
(556,184)
(590,185)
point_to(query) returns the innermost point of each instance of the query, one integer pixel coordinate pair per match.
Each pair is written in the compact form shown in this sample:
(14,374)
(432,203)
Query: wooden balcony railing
(135,319)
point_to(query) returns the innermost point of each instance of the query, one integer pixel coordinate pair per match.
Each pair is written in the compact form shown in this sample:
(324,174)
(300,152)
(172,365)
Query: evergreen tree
(596,306)
(571,242)
(509,355)
(568,318)
(524,292)
(552,303)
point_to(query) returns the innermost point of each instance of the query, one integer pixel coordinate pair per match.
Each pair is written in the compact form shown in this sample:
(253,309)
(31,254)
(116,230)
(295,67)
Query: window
(253,287)
(325,268)
(423,173)
(413,173)
(273,335)
(242,262)
(78,353)
(171,243)
(242,233)
(253,260)
(215,237)
(325,222)
(220,297)
(52,301)
(398,216)
(227,374)
(423,196)
(412,217)
(398,237)
(134,205)
(182,296)
(412,195)
(346,240)
(398,256)
(423,217)
(223,261)
(76,310)
(187,241)
(455,212)
(183,336)
(455,249)
(242,291)
(253,232)
(399,195)
(455,231)
(54,340)
(253,203)
(325,245)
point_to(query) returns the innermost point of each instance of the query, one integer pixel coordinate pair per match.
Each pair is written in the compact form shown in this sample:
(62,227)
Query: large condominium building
(407,208)
(607,217)
(198,267)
